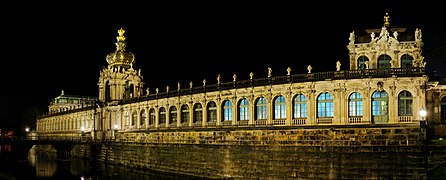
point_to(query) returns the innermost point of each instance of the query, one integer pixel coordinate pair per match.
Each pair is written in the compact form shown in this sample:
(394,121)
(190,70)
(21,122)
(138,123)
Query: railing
(355,120)
(295,78)
(405,119)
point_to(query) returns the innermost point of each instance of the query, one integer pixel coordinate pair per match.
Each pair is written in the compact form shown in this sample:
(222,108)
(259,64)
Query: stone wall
(323,153)
(372,135)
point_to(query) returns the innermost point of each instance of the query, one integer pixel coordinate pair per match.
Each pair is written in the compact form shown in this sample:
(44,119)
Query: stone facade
(386,84)
(315,125)
(389,88)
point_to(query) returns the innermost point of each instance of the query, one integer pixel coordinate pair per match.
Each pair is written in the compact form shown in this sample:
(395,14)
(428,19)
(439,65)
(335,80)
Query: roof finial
(386,20)
(63,93)
(121,36)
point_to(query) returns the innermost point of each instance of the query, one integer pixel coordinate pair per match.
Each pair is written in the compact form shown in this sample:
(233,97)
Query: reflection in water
(44,162)
(41,163)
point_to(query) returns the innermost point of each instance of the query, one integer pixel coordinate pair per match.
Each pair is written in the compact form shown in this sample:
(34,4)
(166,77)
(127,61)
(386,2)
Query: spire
(387,20)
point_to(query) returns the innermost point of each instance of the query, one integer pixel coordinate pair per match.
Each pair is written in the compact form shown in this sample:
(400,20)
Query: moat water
(38,164)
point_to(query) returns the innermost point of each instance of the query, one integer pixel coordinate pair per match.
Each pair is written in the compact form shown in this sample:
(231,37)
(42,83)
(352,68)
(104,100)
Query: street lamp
(423,114)
(27,129)
(82,130)
(116,127)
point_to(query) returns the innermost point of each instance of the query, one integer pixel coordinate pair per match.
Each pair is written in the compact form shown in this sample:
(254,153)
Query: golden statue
(121,35)
(386,20)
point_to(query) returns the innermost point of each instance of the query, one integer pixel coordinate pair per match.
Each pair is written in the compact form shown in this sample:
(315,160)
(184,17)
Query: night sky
(50,47)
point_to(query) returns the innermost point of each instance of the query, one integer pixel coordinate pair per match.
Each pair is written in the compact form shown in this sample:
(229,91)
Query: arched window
(380,100)
(212,111)
(198,112)
(384,61)
(162,115)
(355,104)
(127,118)
(184,114)
(280,108)
(134,118)
(406,61)
(300,106)
(361,62)
(244,109)
(261,109)
(143,117)
(152,116)
(227,110)
(443,110)
(173,115)
(325,105)
(405,103)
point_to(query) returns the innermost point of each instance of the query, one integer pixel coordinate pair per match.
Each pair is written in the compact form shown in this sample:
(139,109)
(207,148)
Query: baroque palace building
(386,84)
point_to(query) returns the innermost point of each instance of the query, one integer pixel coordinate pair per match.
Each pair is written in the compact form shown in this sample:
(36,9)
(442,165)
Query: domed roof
(120,57)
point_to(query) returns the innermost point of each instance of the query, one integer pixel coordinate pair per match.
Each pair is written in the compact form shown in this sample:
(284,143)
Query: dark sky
(50,47)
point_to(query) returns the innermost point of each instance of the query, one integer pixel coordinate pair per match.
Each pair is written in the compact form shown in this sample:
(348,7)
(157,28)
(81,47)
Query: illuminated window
(162,115)
(379,103)
(152,116)
(143,117)
(325,105)
(261,109)
(280,108)
(405,103)
(198,113)
(244,109)
(227,110)
(300,106)
(134,118)
(384,61)
(212,111)
(173,115)
(126,118)
(361,62)
(355,104)
(184,113)
(406,61)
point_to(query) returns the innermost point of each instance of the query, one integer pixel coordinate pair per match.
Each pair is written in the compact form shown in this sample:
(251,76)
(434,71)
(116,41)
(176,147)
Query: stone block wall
(321,153)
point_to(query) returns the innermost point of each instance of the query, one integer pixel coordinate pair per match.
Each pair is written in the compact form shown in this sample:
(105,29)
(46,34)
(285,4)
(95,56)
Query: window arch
(406,61)
(443,110)
(405,103)
(198,112)
(280,108)
(361,62)
(243,110)
(134,118)
(325,105)
(212,112)
(384,61)
(261,109)
(142,117)
(162,115)
(355,104)
(300,106)
(152,116)
(227,110)
(173,115)
(185,113)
